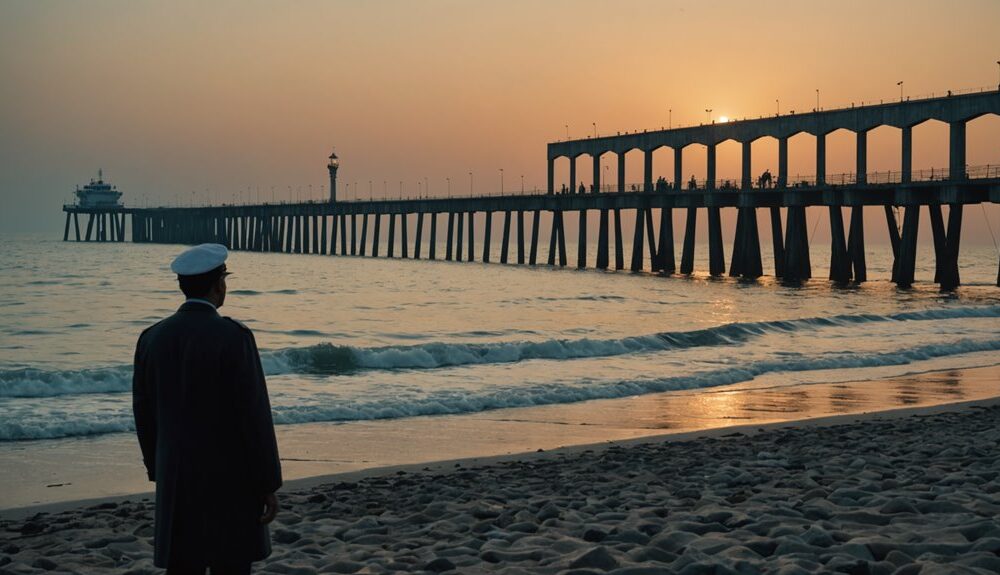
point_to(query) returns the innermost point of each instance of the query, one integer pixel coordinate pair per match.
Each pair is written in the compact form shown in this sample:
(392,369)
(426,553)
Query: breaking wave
(328,359)
(459,401)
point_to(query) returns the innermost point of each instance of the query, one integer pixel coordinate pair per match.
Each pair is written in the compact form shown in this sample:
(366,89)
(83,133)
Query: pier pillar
(287,225)
(343,234)
(305,233)
(536,221)
(597,173)
(956,150)
(505,243)
(907,260)
(375,235)
(451,233)
(665,246)
(551,176)
(363,244)
(938,233)
(949,272)
(296,235)
(323,234)
(520,236)
(782,163)
(893,229)
(907,164)
(621,172)
(746,260)
(487,236)
(315,234)
(861,164)
(678,168)
(460,228)
(391,251)
(90,227)
(562,240)
(553,237)
(687,250)
(710,184)
(747,179)
(797,264)
(471,239)
(650,237)
(433,240)
(66,228)
(602,240)
(840,265)
(777,242)
(856,244)
(420,235)
(619,248)
(76,225)
(581,246)
(716,257)
(647,171)
(404,239)
(354,235)
(637,236)
(333,234)
(820,159)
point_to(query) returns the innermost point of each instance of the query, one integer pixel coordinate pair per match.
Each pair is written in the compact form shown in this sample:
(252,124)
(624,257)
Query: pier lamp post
(332,167)
(522,184)
(501,181)
(817,99)
(606,180)
(595,128)
(709,112)
(777,107)
(900,84)
(470,184)
(670,119)
(567,125)
(448,179)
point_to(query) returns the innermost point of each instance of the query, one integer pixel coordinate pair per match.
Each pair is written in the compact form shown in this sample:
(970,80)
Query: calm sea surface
(348,339)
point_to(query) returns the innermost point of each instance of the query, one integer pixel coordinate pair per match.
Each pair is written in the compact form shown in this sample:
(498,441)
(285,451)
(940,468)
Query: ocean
(347,339)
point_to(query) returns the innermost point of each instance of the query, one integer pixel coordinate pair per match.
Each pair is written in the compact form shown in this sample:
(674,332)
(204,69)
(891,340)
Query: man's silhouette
(203,419)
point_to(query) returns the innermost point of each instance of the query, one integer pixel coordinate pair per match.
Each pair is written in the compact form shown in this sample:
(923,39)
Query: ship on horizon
(98,194)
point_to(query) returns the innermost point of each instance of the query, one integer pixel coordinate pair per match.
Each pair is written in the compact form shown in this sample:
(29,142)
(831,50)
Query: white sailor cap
(199,259)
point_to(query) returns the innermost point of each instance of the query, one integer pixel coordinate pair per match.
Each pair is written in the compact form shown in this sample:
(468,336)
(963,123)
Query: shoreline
(878,492)
(440,466)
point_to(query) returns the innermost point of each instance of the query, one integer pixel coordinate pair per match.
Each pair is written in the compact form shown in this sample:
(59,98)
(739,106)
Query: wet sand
(45,472)
(906,491)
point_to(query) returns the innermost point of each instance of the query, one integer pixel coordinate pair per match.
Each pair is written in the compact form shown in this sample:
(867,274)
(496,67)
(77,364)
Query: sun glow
(723,119)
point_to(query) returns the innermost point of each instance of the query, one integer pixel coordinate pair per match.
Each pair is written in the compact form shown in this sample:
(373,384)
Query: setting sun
(723,119)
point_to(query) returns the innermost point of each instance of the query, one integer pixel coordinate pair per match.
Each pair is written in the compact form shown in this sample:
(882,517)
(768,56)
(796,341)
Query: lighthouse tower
(332,166)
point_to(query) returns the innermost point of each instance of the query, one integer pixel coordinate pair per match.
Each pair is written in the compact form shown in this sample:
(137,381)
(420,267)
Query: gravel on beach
(907,495)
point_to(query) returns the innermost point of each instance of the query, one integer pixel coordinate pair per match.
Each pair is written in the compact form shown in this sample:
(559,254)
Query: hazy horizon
(184,101)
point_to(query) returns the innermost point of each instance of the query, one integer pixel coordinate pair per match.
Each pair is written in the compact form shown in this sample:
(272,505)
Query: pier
(356,227)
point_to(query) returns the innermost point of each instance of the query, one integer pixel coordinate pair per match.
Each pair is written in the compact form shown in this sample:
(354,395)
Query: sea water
(351,339)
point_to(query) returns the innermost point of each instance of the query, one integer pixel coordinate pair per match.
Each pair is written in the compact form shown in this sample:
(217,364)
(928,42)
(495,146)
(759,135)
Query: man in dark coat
(203,419)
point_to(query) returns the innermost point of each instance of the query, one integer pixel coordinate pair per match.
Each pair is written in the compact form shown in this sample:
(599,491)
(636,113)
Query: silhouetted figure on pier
(582,190)
(203,420)
(692,183)
(661,184)
(764,181)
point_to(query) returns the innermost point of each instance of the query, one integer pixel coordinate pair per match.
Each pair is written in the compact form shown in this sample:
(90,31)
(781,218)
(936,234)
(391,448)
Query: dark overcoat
(203,419)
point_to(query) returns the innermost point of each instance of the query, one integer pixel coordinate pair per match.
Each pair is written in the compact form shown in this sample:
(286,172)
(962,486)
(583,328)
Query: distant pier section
(356,227)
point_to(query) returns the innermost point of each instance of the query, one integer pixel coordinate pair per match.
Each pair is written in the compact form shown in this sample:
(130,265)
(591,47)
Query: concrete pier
(320,228)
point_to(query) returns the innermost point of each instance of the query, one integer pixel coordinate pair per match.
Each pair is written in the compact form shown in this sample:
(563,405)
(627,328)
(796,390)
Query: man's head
(209,286)
(201,272)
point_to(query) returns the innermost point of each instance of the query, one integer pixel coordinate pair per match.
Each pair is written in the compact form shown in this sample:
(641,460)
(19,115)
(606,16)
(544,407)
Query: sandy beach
(909,491)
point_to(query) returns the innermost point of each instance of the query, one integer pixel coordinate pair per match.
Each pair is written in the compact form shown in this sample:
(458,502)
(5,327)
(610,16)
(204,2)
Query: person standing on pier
(203,419)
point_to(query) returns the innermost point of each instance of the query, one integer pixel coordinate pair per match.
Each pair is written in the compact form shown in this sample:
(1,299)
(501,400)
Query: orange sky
(181,97)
